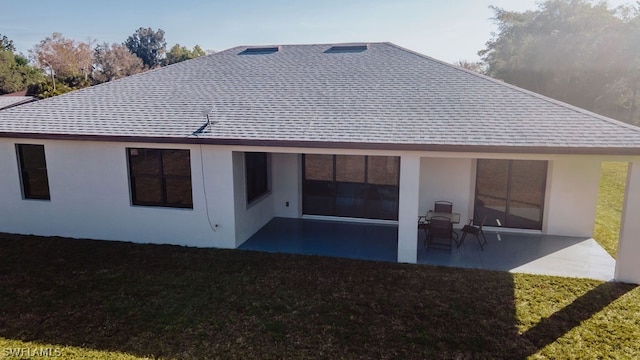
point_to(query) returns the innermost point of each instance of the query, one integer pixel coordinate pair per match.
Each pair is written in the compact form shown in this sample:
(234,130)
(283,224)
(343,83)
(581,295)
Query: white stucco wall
(216,184)
(408,208)
(90,197)
(249,218)
(287,184)
(627,264)
(571,193)
(447,179)
(285,187)
(571,196)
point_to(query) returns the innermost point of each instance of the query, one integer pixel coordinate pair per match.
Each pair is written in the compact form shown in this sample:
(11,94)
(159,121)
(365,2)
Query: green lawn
(110,300)
(610,198)
(86,299)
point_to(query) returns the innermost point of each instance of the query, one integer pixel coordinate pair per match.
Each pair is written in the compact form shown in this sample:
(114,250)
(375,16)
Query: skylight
(260,50)
(347,49)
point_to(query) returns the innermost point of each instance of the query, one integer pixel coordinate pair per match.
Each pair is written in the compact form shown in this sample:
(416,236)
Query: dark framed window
(510,193)
(160,177)
(33,171)
(351,186)
(257,174)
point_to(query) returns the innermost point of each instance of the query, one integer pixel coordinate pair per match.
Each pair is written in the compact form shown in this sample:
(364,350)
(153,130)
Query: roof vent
(346,49)
(260,50)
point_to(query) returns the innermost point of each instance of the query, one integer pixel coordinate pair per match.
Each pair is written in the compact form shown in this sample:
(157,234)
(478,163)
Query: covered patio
(513,252)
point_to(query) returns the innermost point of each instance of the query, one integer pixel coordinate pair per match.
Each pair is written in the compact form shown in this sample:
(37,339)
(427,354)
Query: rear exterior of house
(215,148)
(95,189)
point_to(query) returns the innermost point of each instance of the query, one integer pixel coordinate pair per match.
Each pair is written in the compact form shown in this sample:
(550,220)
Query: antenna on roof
(206,113)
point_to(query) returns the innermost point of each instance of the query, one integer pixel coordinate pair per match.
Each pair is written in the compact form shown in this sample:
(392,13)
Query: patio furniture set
(438,223)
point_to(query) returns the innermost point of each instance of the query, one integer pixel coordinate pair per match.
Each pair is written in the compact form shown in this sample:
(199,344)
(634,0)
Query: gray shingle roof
(8,101)
(385,96)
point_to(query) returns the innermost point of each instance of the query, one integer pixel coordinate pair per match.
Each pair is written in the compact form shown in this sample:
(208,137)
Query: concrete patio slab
(327,238)
(505,251)
(527,253)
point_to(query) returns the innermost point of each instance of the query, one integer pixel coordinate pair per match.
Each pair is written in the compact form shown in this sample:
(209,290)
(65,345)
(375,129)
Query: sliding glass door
(510,193)
(351,186)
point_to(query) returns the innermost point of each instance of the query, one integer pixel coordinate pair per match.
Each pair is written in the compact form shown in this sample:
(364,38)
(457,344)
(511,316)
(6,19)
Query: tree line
(577,51)
(57,64)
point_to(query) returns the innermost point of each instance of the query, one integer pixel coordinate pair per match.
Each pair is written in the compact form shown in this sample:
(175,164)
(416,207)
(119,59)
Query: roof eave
(504,149)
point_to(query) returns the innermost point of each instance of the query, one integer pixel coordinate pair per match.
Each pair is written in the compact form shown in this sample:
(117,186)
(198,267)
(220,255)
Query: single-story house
(206,152)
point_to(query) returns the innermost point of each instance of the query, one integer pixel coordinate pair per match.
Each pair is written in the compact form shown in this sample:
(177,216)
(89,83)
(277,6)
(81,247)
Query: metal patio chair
(440,228)
(443,206)
(475,231)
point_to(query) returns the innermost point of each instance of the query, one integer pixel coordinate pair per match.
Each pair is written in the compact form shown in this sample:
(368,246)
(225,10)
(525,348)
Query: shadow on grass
(175,302)
(583,308)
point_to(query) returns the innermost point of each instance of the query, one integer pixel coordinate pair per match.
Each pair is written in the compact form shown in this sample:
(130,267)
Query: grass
(610,198)
(110,300)
(83,299)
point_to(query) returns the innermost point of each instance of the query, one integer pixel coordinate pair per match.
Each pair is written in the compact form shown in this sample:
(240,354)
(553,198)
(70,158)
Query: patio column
(408,209)
(627,263)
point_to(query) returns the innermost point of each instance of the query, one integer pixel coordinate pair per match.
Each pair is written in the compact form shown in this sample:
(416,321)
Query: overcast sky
(448,30)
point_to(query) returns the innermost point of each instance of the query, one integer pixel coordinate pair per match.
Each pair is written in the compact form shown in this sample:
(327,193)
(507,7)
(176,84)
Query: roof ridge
(522,90)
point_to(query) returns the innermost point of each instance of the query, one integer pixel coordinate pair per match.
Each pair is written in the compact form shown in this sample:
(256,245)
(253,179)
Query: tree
(181,53)
(6,44)
(10,79)
(113,62)
(45,89)
(148,45)
(198,51)
(476,66)
(15,72)
(63,58)
(581,53)
(622,96)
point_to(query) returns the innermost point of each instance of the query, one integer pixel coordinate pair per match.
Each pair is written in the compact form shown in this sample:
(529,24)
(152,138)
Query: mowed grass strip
(105,299)
(609,209)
